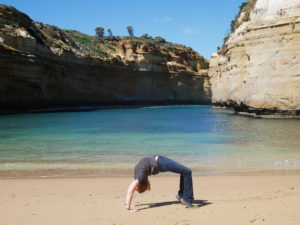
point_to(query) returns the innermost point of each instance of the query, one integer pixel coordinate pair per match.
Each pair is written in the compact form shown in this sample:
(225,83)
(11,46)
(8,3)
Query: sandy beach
(266,199)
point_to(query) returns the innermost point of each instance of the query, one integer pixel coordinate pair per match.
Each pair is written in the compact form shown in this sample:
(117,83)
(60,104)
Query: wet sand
(266,199)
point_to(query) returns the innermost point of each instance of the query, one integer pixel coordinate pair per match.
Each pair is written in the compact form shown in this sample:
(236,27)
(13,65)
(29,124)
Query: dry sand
(272,199)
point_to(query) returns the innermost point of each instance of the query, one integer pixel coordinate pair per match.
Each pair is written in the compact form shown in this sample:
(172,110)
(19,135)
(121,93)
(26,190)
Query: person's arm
(132,187)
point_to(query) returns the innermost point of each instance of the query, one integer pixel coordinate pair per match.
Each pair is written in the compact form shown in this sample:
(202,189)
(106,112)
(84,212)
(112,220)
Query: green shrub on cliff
(90,43)
(145,36)
(84,40)
(136,44)
(159,40)
(101,52)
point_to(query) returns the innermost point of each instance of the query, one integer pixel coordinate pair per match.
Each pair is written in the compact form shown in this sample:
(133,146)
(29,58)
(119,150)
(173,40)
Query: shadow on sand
(196,203)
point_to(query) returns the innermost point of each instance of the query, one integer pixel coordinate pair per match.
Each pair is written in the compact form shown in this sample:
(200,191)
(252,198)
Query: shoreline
(257,113)
(218,200)
(129,174)
(86,108)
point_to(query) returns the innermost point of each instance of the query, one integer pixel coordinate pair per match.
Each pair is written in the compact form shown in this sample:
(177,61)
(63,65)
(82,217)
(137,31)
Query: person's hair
(143,185)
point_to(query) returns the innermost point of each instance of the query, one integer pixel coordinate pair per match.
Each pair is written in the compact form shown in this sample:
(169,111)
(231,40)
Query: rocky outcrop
(257,71)
(43,67)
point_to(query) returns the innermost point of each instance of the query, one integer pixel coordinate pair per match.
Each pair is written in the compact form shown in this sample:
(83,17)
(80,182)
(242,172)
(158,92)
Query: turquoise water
(111,141)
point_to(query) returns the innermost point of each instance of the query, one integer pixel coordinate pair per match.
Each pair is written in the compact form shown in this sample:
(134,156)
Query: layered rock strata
(257,71)
(43,67)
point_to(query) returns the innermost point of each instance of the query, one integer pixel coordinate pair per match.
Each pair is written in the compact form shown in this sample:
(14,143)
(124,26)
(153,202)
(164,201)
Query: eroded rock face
(258,69)
(43,67)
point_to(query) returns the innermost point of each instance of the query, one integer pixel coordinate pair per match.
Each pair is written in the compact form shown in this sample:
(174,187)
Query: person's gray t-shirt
(145,167)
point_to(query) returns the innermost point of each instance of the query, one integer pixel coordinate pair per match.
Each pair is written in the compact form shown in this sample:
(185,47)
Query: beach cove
(89,88)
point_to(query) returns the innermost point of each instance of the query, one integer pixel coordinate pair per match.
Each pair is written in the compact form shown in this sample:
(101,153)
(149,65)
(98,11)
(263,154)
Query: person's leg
(186,183)
(188,186)
(181,186)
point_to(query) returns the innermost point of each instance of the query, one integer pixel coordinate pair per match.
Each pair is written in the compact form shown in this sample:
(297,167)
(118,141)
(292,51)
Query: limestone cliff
(257,71)
(44,67)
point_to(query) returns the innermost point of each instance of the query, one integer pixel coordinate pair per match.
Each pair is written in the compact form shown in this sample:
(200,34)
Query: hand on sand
(133,210)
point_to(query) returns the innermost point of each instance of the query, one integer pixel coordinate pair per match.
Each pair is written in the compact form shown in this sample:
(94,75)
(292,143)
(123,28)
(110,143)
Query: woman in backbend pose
(153,165)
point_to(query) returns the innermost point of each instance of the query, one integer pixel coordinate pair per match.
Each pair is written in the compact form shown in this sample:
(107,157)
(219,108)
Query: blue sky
(199,24)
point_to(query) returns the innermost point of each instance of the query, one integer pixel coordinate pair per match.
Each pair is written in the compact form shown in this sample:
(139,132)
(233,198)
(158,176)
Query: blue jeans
(186,181)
